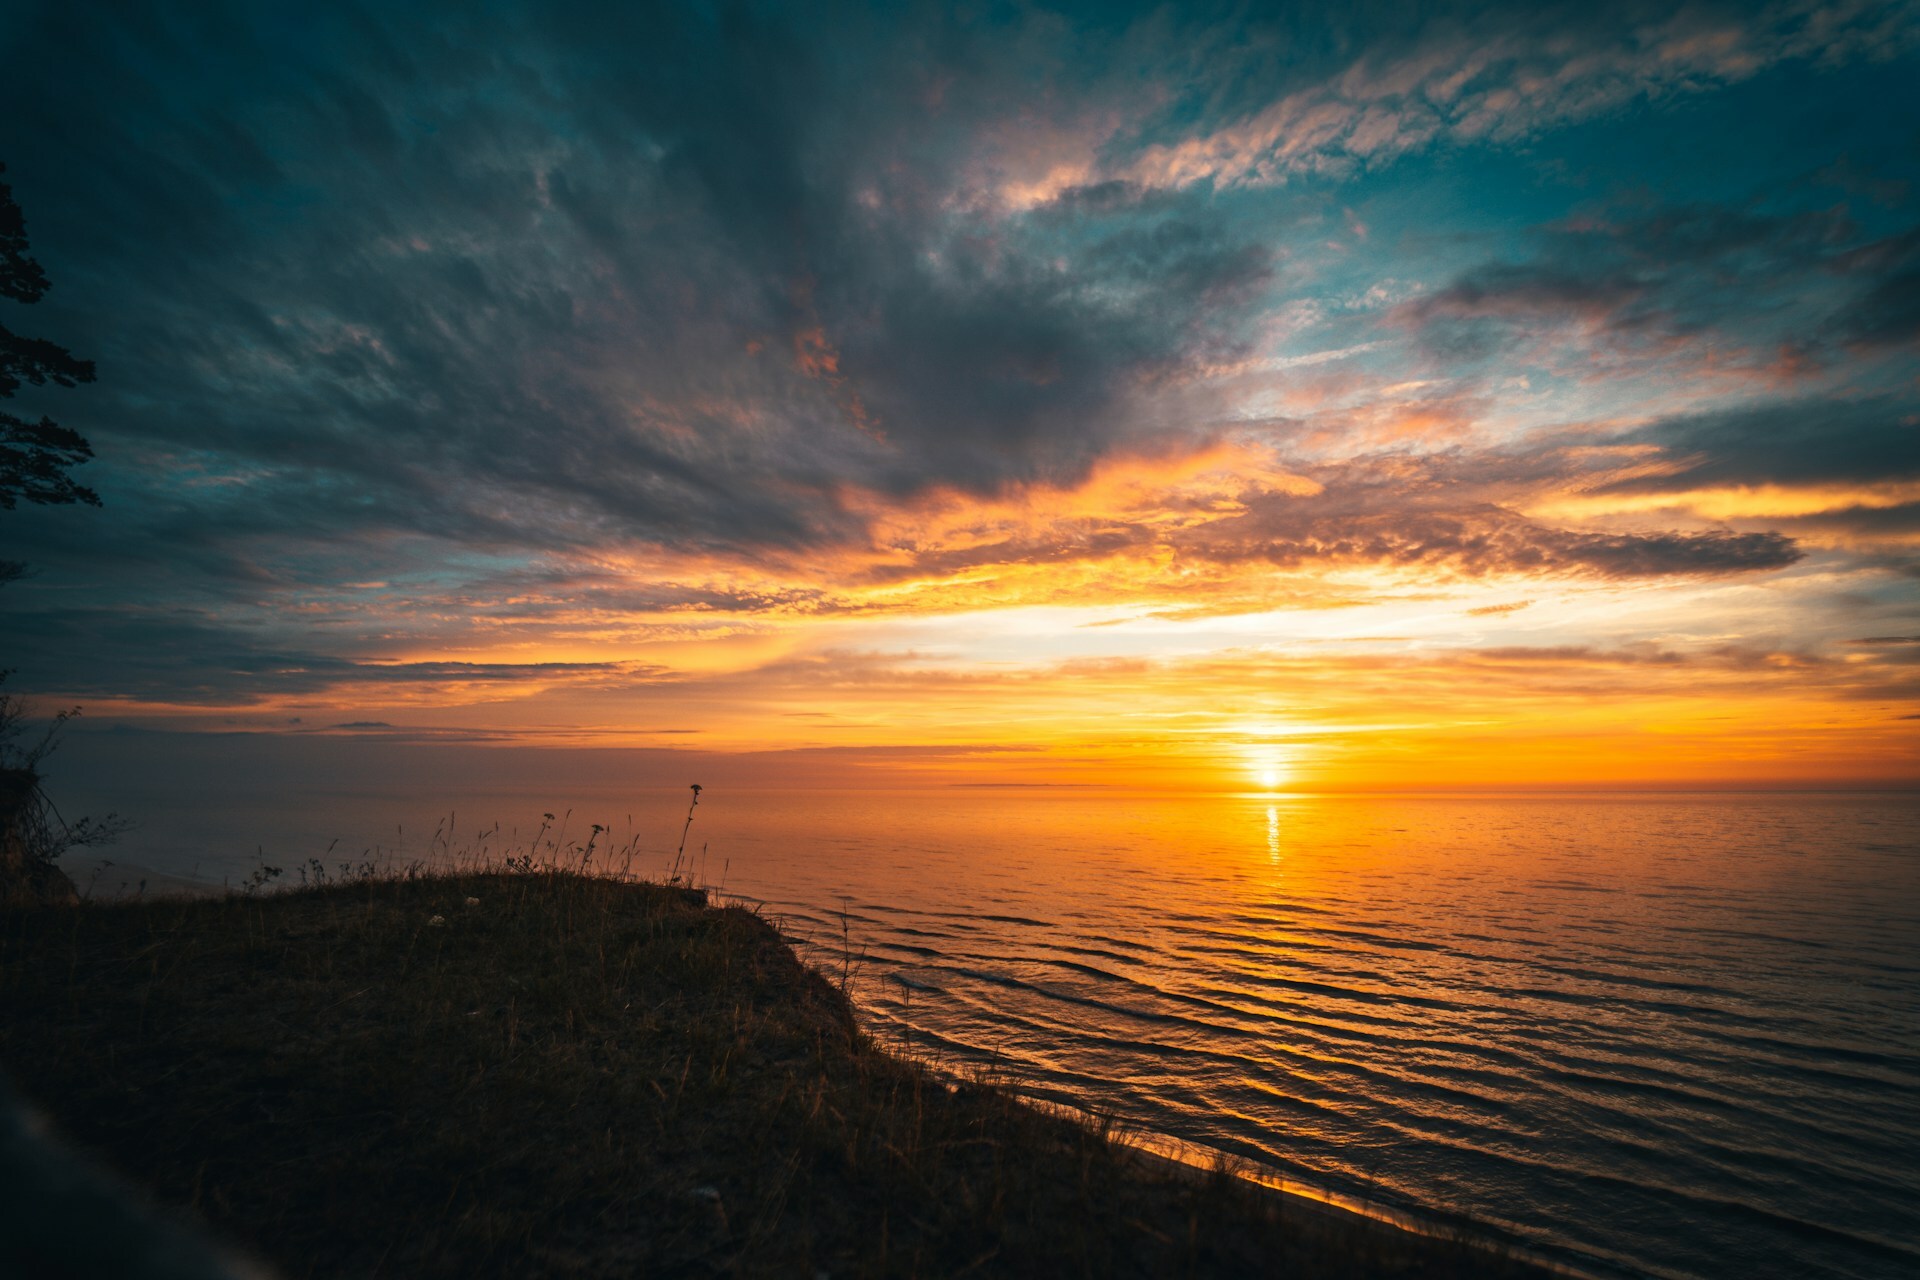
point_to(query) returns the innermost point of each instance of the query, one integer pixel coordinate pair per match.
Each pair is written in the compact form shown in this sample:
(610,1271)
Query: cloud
(190,659)
(1815,472)
(436,340)
(655,276)
(1778,295)
(1241,534)
(1887,312)
(1499,74)
(1470,540)
(1799,443)
(652,276)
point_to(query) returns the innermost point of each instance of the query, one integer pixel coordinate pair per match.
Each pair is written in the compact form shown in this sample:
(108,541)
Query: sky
(1357,396)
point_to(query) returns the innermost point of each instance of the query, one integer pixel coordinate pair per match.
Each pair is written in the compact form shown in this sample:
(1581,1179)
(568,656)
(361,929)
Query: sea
(1672,1035)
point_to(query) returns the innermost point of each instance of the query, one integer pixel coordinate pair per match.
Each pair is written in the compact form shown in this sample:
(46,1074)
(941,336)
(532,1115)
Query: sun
(1269,766)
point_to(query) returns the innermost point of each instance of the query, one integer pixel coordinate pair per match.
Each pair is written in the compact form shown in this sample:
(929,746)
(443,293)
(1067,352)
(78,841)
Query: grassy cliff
(546,1074)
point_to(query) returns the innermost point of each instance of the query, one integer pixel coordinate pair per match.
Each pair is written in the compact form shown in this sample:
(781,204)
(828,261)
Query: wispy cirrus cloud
(1490,76)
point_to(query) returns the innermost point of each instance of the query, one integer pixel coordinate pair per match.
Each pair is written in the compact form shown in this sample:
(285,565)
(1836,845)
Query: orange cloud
(1736,502)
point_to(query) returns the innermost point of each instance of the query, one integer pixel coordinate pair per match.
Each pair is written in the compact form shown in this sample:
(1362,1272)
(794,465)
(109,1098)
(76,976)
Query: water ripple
(1615,1029)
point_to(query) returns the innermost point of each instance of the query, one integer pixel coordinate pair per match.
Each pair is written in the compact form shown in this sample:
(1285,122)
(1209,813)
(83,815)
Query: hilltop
(548,1074)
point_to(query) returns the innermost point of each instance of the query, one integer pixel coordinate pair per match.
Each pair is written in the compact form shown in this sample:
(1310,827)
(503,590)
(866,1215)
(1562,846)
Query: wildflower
(437,920)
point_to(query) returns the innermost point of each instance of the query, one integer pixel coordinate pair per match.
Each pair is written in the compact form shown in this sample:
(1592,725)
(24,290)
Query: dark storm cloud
(1869,524)
(450,297)
(1824,441)
(545,280)
(1887,312)
(1428,511)
(1794,285)
(195,658)
(1810,441)
(545,276)
(1468,538)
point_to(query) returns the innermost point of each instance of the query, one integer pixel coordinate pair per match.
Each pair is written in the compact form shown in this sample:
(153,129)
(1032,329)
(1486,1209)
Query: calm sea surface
(1675,1034)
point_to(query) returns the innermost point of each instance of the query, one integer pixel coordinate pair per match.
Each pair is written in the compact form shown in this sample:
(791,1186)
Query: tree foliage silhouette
(35,457)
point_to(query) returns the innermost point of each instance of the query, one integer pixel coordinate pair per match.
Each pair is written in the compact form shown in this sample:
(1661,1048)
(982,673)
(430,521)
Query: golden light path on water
(1650,1031)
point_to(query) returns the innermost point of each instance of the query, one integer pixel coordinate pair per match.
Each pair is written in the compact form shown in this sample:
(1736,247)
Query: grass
(545,1073)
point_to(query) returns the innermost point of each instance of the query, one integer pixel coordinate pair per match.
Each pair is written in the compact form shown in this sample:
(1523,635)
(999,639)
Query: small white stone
(473,902)
(437,920)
